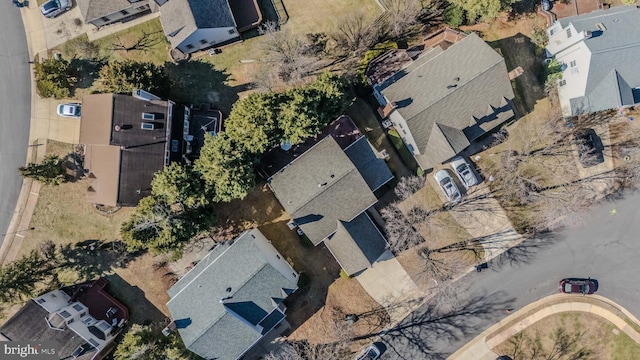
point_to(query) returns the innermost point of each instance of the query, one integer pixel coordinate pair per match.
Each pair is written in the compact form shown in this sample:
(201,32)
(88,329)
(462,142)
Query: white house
(598,53)
(192,25)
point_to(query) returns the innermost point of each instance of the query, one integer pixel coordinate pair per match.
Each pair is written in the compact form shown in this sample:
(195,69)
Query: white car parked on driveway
(69,110)
(464,172)
(447,185)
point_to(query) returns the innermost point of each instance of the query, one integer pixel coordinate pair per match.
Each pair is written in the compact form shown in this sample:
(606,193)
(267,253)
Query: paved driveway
(390,286)
(15,109)
(607,249)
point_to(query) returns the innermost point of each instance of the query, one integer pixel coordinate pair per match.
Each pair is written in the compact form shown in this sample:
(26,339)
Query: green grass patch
(402,150)
(624,348)
(154,46)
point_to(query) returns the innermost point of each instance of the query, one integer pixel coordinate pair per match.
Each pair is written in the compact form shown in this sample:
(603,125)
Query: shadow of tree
(141,310)
(427,333)
(87,259)
(86,71)
(200,82)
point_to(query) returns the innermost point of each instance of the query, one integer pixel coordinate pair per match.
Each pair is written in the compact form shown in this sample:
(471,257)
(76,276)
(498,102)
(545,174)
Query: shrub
(453,16)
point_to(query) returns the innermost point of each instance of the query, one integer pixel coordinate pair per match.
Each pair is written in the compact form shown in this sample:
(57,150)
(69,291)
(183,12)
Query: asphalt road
(605,248)
(15,108)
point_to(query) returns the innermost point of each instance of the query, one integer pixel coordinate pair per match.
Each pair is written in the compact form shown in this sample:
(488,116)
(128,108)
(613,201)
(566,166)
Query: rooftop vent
(601,27)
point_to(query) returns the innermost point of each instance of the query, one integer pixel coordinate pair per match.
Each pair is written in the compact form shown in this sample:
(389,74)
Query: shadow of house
(457,93)
(83,319)
(231,307)
(333,186)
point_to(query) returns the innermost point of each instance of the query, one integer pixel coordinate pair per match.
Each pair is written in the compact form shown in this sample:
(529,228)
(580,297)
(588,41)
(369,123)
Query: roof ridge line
(458,87)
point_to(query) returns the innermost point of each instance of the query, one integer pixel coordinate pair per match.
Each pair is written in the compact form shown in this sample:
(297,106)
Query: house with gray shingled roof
(232,298)
(192,25)
(101,12)
(447,98)
(327,191)
(598,52)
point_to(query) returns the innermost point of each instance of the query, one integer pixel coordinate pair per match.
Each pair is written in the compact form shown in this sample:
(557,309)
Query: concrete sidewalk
(480,347)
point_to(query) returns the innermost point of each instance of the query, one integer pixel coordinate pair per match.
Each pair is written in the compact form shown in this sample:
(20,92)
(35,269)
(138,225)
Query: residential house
(101,12)
(445,97)
(232,298)
(598,53)
(193,25)
(327,191)
(82,319)
(127,139)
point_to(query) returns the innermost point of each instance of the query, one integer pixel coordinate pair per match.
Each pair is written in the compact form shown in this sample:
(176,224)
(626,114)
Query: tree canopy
(51,171)
(122,77)
(262,121)
(179,184)
(482,10)
(53,78)
(160,227)
(147,343)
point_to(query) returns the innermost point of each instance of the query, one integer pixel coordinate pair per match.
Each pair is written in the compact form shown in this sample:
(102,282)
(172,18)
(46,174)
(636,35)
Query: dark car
(504,357)
(588,150)
(53,8)
(578,286)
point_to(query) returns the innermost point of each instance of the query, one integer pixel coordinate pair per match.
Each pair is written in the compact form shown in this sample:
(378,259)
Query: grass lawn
(402,149)
(599,336)
(305,16)
(156,47)
(366,119)
(64,216)
(443,231)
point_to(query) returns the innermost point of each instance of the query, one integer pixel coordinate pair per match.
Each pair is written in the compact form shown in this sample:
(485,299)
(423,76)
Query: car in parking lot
(53,8)
(588,151)
(372,352)
(447,185)
(69,110)
(464,172)
(578,286)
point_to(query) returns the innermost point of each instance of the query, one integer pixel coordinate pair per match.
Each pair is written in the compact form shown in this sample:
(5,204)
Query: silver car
(53,8)
(447,185)
(464,172)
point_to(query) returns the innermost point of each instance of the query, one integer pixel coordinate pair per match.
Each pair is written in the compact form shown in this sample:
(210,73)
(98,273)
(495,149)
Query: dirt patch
(344,297)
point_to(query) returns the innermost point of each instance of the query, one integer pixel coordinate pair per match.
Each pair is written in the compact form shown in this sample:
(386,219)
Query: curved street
(606,248)
(15,108)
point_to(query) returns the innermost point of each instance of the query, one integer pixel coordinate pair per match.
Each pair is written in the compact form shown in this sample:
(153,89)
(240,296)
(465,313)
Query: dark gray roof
(225,303)
(180,18)
(29,324)
(374,170)
(94,9)
(321,187)
(356,244)
(614,55)
(451,91)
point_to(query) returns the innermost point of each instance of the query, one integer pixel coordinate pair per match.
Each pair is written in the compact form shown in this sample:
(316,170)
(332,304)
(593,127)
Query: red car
(578,286)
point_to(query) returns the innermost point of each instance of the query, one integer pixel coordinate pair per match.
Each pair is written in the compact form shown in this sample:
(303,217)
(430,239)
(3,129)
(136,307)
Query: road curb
(497,333)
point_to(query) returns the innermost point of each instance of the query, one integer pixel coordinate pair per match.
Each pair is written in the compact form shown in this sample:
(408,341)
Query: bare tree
(408,186)
(289,55)
(145,42)
(355,36)
(403,18)
(400,230)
